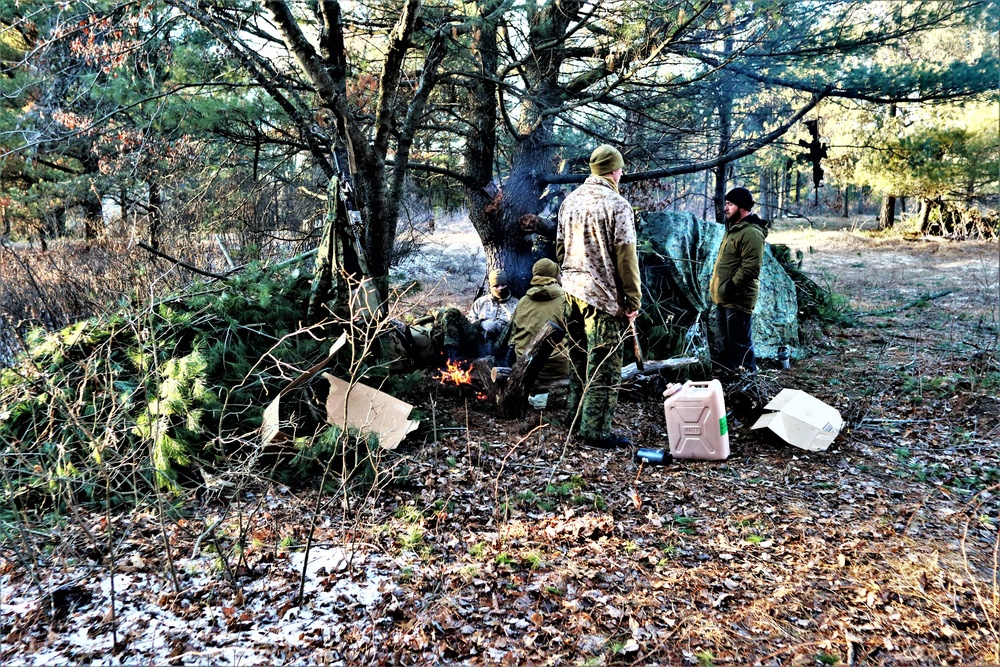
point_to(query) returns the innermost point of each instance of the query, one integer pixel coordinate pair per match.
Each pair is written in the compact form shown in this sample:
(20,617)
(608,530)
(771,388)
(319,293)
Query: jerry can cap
(672,389)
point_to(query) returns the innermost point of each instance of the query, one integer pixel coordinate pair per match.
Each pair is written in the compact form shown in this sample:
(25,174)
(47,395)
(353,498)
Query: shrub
(148,398)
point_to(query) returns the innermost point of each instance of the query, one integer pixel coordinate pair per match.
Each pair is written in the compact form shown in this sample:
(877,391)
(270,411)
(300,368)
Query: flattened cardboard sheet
(369,410)
(801,420)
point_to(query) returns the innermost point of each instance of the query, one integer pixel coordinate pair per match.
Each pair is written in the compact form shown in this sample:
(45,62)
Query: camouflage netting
(676,255)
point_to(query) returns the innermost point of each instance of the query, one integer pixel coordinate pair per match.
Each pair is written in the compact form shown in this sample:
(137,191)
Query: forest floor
(491,541)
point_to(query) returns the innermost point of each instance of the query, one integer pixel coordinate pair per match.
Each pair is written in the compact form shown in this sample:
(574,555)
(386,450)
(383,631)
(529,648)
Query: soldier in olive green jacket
(545,301)
(736,280)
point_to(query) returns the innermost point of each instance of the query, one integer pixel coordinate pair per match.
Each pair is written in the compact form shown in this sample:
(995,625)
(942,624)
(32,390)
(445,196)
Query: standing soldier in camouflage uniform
(596,246)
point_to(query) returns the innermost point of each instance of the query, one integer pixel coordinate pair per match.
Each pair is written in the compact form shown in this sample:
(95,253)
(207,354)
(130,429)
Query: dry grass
(72,280)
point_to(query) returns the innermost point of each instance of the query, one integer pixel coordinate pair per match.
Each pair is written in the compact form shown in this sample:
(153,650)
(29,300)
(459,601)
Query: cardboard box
(802,420)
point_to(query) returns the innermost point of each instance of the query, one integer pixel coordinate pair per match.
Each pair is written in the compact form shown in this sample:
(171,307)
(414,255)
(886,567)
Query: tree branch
(746,149)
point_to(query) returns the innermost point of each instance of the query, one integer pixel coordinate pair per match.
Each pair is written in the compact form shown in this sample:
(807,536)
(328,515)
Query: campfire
(455,373)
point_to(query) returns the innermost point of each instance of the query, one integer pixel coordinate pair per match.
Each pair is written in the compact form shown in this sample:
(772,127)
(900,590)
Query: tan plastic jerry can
(696,420)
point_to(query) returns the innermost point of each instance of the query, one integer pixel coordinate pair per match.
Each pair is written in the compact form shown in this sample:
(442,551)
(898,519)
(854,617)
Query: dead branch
(916,302)
(513,396)
(189,267)
(631,372)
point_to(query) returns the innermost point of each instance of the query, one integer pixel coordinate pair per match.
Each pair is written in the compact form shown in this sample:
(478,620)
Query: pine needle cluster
(113,407)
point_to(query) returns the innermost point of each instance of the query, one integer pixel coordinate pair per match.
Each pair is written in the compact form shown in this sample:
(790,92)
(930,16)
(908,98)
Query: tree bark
(786,185)
(925,216)
(887,214)
(533,150)
(155,212)
(708,195)
(724,107)
(766,194)
(481,144)
(377,195)
(522,190)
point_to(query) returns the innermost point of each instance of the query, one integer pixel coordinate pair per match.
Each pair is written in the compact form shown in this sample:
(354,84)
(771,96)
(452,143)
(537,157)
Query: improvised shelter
(677,253)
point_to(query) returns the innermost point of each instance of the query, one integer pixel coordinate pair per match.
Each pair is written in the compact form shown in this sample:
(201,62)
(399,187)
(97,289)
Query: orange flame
(457,372)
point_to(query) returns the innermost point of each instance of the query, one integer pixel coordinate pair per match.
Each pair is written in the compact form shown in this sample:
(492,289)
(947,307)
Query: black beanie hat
(741,197)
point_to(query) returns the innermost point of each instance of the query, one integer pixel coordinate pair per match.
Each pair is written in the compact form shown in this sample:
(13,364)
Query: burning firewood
(455,372)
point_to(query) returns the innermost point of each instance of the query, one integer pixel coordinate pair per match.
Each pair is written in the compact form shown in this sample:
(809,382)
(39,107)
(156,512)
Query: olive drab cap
(605,159)
(545,267)
(498,277)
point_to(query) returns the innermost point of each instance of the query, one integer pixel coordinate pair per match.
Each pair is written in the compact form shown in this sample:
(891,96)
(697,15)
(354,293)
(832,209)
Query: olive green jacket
(543,302)
(736,277)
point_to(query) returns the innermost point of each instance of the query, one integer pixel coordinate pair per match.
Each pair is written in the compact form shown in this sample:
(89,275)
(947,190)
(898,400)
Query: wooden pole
(512,398)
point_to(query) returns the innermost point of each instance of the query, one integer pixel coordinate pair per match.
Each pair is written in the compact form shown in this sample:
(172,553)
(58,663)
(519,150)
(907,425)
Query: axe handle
(639,364)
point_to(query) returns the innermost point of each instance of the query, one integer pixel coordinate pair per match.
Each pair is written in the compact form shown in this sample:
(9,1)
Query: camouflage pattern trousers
(595,342)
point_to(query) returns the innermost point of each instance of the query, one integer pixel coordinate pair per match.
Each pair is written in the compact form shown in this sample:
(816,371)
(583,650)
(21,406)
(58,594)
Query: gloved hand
(492,328)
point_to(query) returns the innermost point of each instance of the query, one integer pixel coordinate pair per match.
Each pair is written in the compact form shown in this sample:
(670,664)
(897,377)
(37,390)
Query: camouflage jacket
(489,309)
(595,244)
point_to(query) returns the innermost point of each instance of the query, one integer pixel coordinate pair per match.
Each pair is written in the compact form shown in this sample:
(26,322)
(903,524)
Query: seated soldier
(448,335)
(543,301)
(490,314)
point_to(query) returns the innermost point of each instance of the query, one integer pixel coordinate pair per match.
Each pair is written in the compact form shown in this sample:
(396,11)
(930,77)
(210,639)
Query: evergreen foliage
(148,397)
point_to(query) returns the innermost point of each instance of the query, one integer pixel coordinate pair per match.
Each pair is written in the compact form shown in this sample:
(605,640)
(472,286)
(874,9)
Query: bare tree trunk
(376,188)
(724,106)
(887,214)
(708,197)
(925,216)
(766,209)
(521,194)
(786,184)
(93,216)
(533,150)
(481,145)
(123,203)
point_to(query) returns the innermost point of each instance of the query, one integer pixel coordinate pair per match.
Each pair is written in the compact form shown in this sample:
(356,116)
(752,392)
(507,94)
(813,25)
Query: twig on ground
(916,302)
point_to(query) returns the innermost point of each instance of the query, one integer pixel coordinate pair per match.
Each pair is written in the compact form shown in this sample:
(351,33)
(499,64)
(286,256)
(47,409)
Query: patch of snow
(153,633)
(364,593)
